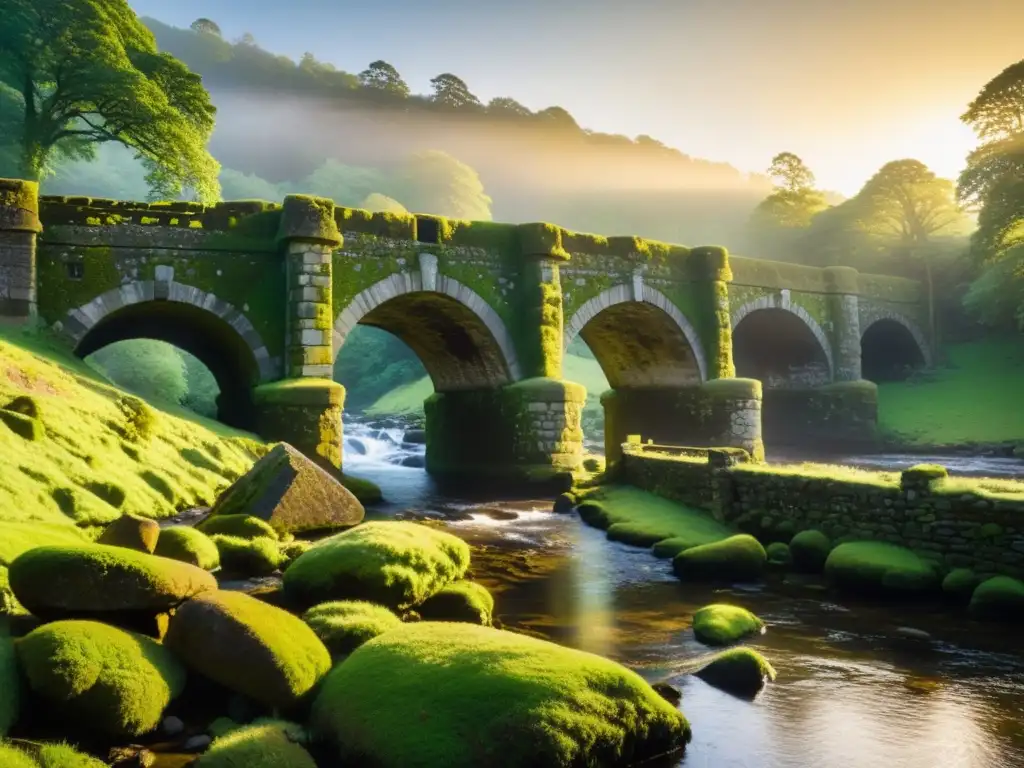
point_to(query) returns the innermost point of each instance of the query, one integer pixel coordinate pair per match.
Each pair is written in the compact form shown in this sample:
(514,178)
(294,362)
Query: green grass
(103,452)
(641,518)
(109,679)
(462,696)
(344,625)
(976,399)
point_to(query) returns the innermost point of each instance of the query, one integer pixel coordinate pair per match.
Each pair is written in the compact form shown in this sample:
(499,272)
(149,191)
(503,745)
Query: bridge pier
(19,226)
(718,413)
(831,418)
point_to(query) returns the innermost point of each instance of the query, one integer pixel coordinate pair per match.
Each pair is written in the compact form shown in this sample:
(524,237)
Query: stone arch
(639,293)
(872,315)
(782,302)
(436,296)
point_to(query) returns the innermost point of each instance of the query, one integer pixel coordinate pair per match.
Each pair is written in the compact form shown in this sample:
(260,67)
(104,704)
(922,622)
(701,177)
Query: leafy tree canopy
(506,106)
(790,173)
(435,182)
(206,27)
(453,92)
(560,117)
(87,72)
(378,203)
(383,77)
(998,111)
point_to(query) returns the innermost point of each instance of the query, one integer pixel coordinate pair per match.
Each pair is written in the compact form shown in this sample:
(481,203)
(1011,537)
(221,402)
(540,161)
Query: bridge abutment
(19,226)
(719,413)
(835,417)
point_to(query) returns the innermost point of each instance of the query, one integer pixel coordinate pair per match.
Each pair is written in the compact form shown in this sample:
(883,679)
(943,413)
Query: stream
(859,685)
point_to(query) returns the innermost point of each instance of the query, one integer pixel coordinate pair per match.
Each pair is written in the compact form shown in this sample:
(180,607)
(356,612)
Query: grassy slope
(84,461)
(978,398)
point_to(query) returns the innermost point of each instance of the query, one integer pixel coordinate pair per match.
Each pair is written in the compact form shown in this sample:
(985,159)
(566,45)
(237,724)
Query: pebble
(172,725)
(197,743)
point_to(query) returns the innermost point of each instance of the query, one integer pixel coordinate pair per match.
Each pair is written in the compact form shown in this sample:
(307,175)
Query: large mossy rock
(721,624)
(186,544)
(18,538)
(248,557)
(111,680)
(1000,598)
(879,568)
(249,647)
(10,682)
(739,671)
(52,582)
(292,494)
(132,532)
(239,526)
(737,558)
(12,757)
(344,625)
(266,744)
(393,563)
(960,583)
(809,551)
(463,696)
(460,601)
(42,755)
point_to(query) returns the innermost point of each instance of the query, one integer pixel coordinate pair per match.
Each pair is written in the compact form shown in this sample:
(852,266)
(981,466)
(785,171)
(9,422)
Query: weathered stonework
(310,310)
(19,225)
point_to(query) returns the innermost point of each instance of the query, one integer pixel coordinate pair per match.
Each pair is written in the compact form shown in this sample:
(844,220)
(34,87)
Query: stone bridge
(695,344)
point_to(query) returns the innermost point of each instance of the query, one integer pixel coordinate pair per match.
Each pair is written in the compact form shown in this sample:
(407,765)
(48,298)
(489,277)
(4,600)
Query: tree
(507,107)
(344,184)
(381,76)
(435,182)
(88,72)
(452,92)
(998,111)
(558,117)
(378,203)
(789,173)
(904,207)
(248,186)
(206,27)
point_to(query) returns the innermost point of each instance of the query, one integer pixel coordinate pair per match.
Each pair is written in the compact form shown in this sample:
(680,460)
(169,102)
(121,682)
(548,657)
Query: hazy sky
(846,84)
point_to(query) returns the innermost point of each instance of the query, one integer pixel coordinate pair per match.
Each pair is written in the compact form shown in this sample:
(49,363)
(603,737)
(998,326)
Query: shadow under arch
(210,338)
(639,343)
(891,350)
(781,346)
(461,341)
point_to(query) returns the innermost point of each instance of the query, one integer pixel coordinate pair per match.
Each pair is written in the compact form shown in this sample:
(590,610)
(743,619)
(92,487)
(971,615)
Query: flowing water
(859,685)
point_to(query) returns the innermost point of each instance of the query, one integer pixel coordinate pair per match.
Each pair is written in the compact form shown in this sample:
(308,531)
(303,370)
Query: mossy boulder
(1000,598)
(809,551)
(721,624)
(239,526)
(10,682)
(12,757)
(19,537)
(187,545)
(265,744)
(393,563)
(249,647)
(465,696)
(42,755)
(248,557)
(344,625)
(292,493)
(739,671)
(460,601)
(778,555)
(737,558)
(879,568)
(960,583)
(132,532)
(94,578)
(293,549)
(111,680)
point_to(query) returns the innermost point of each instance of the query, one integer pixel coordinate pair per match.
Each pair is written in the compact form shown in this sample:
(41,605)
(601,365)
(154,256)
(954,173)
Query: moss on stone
(542,240)
(530,702)
(960,583)
(23,426)
(115,681)
(922,474)
(722,624)
(261,651)
(873,567)
(365,490)
(394,563)
(259,556)
(779,555)
(344,625)
(809,550)
(10,681)
(739,671)
(308,217)
(266,744)
(1000,598)
(460,601)
(55,580)
(132,532)
(184,543)
(64,756)
(12,757)
(240,526)
(737,558)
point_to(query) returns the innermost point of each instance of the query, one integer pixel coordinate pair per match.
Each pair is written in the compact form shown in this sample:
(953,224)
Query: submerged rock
(739,671)
(292,493)
(113,681)
(721,624)
(344,625)
(463,696)
(737,558)
(393,563)
(248,647)
(460,601)
(132,532)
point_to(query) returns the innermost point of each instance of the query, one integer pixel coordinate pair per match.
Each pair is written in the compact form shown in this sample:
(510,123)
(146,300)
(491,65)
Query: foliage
(344,625)
(435,182)
(384,77)
(205,26)
(781,219)
(88,72)
(530,702)
(344,184)
(248,186)
(721,624)
(115,681)
(451,91)
(790,173)
(378,203)
(503,105)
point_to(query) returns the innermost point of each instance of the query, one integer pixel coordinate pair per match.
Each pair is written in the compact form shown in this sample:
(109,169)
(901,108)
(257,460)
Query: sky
(846,84)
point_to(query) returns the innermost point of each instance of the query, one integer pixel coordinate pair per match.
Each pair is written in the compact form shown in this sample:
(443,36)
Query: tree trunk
(33,154)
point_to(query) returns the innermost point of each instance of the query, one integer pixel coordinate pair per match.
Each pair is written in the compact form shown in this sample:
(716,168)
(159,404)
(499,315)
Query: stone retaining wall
(940,518)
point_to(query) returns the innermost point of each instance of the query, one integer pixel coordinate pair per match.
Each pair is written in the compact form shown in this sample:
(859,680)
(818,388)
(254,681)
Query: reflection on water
(860,686)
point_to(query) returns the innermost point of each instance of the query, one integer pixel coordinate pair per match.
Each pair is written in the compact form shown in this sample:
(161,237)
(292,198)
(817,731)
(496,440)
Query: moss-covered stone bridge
(695,344)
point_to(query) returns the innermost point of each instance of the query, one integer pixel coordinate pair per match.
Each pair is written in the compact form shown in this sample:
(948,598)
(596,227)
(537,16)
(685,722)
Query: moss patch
(394,563)
(260,556)
(737,558)
(960,583)
(131,532)
(740,671)
(344,625)
(239,526)
(181,542)
(114,681)
(270,744)
(721,624)
(872,567)
(465,696)
(461,601)
(809,550)
(1000,598)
